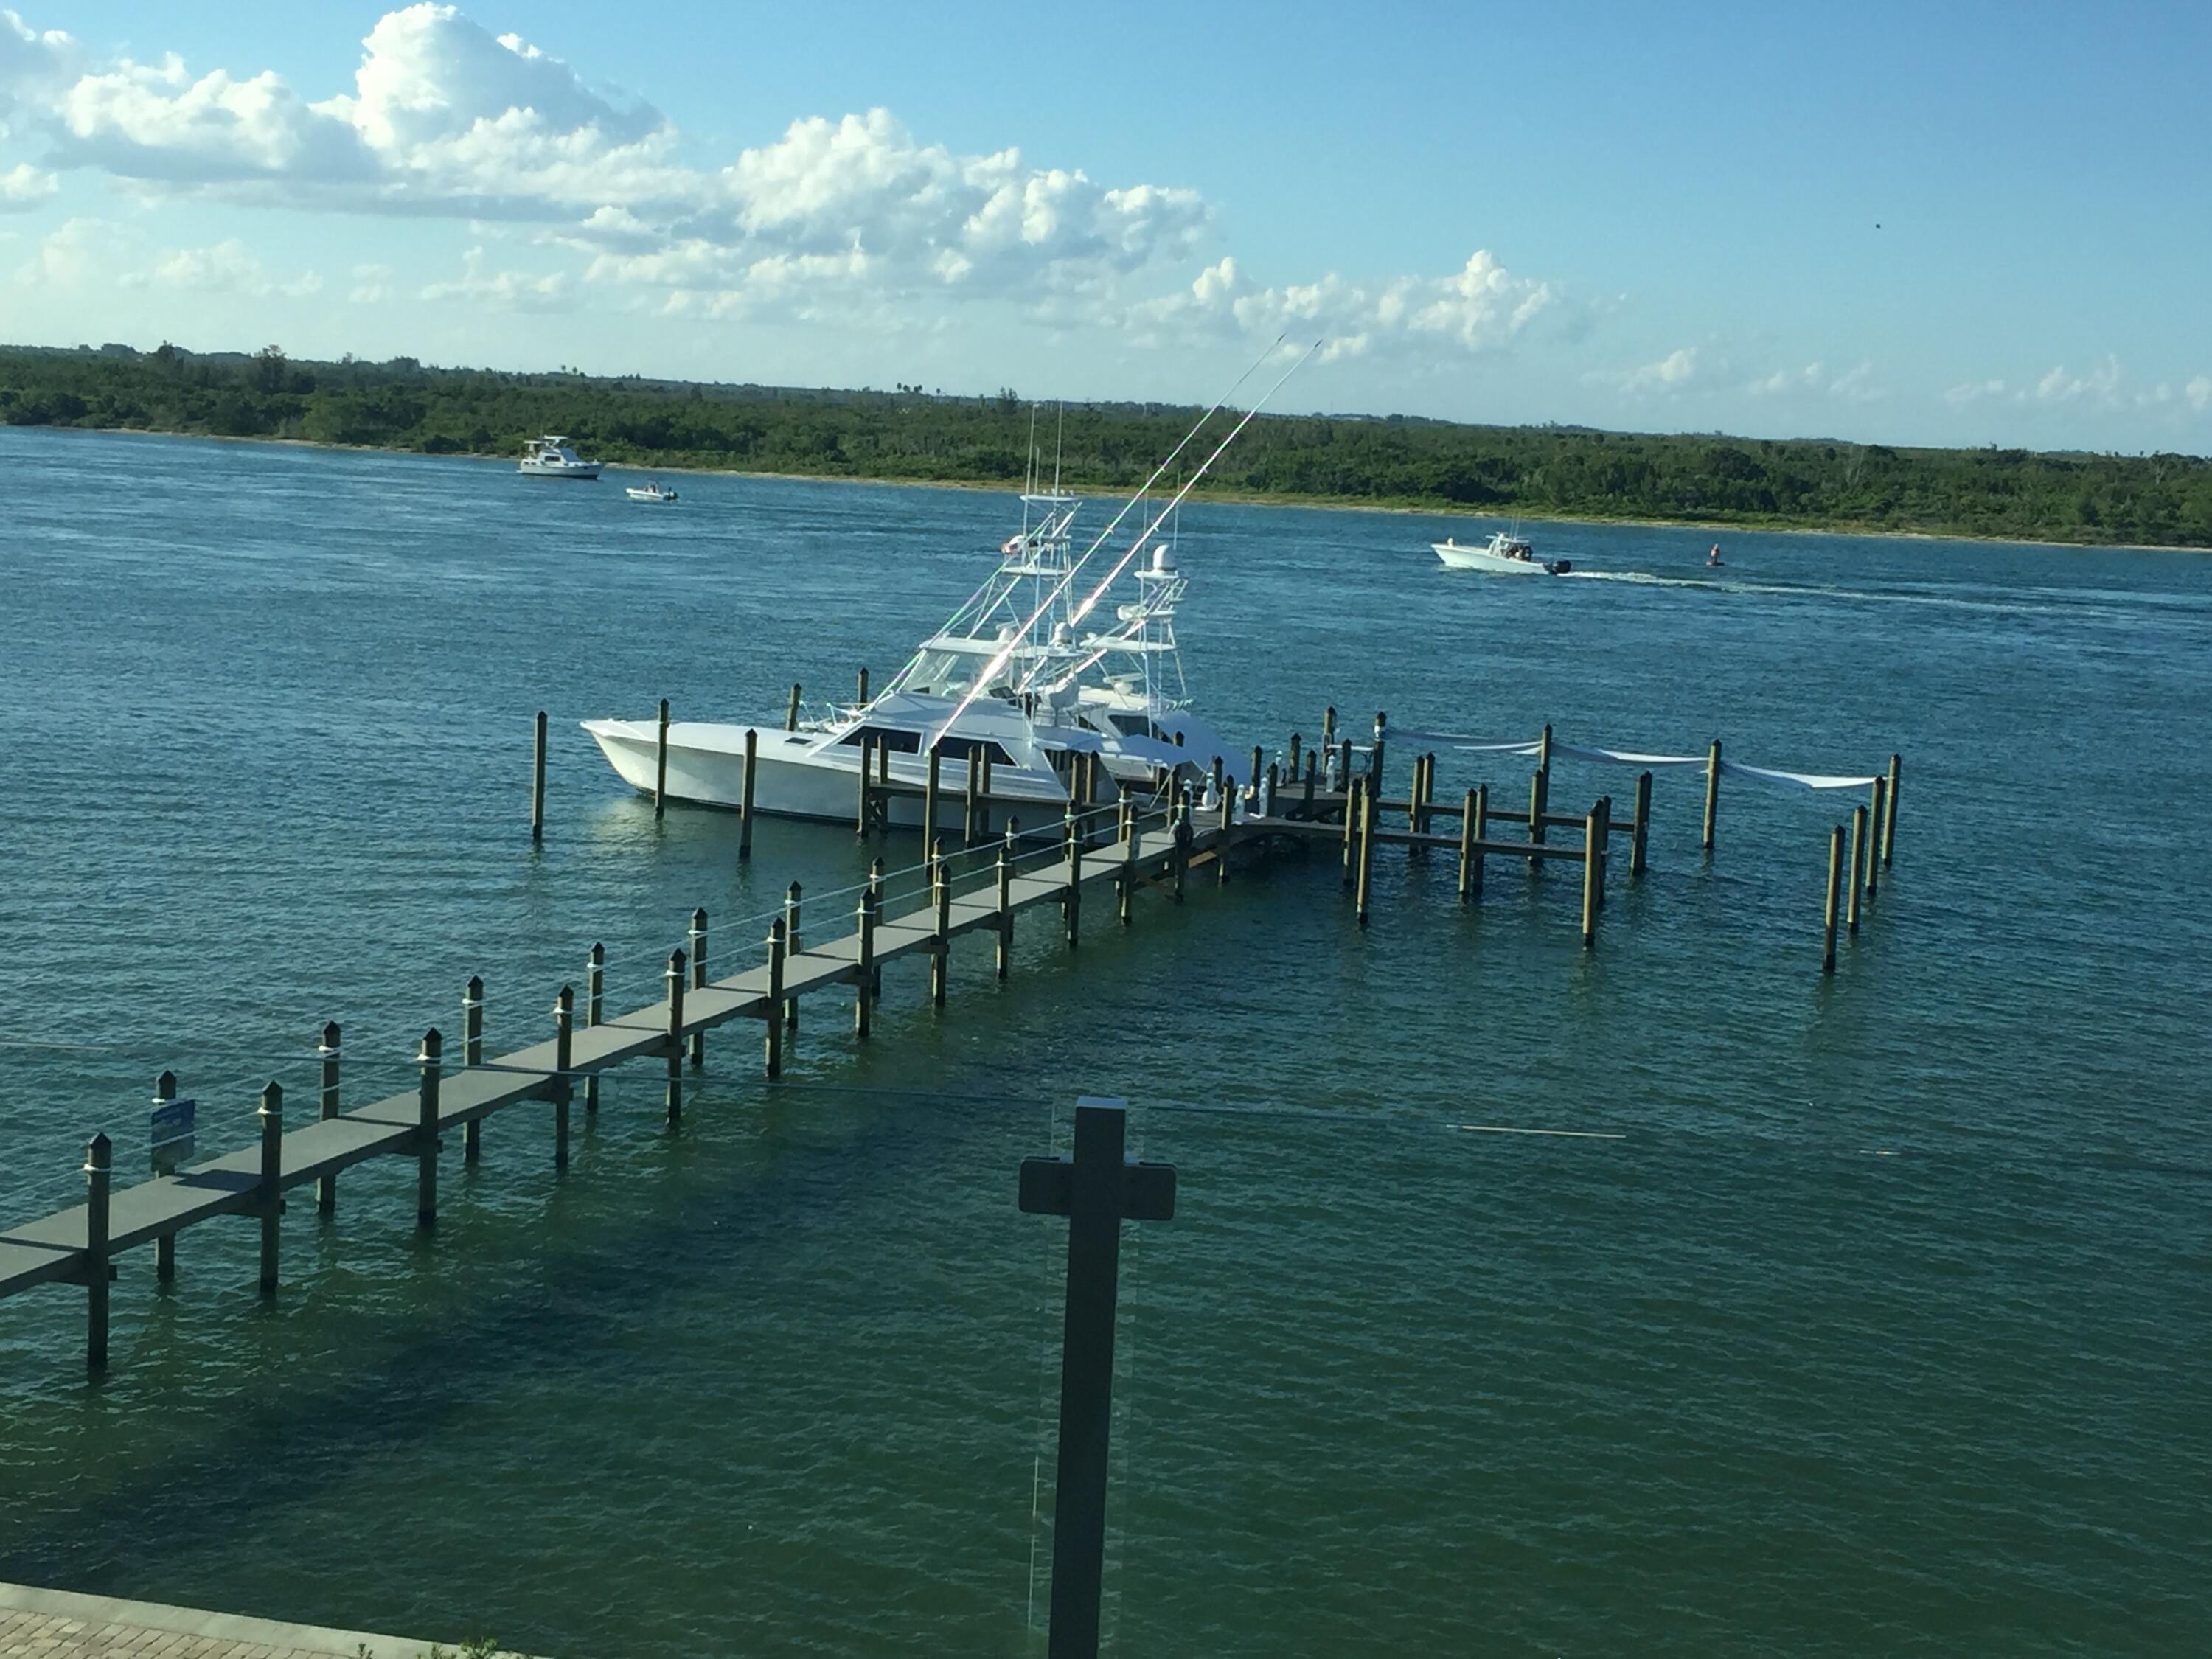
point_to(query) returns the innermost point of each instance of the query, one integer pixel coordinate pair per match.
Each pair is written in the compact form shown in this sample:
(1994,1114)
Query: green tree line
(2163,500)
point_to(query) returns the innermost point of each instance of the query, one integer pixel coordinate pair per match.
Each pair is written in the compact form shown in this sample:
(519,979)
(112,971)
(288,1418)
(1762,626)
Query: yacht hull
(1476,558)
(794,779)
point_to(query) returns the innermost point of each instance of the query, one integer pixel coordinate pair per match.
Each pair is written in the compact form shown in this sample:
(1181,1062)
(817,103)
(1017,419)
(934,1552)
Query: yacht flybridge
(1058,653)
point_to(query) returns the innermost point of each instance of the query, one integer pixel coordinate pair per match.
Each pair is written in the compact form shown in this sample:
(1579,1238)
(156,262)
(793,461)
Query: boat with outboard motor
(1502,554)
(551,457)
(651,492)
(1045,662)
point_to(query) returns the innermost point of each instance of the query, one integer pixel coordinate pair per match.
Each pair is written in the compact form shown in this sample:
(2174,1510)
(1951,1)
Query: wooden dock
(981,886)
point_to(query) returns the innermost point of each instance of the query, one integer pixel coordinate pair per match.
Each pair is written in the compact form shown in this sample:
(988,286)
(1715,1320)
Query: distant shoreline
(1227,496)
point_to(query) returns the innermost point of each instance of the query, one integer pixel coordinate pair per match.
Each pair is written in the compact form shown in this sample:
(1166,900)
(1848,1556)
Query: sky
(1959,223)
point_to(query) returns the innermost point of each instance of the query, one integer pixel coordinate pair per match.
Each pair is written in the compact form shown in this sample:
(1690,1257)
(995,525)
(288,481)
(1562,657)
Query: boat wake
(2032,602)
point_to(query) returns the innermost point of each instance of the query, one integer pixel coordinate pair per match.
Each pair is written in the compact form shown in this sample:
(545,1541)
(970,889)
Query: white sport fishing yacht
(1056,655)
(550,456)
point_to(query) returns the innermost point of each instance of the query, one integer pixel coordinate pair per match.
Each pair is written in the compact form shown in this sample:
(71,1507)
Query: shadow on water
(563,1323)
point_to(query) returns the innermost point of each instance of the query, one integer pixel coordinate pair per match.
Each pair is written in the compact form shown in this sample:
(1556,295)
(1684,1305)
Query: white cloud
(1670,373)
(1972,391)
(33,67)
(225,268)
(1856,385)
(372,285)
(78,253)
(2199,392)
(2099,385)
(24,186)
(1480,306)
(509,290)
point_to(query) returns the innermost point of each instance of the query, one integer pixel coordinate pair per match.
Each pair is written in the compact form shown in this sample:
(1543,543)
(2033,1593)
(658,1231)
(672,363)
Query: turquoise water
(1880,1327)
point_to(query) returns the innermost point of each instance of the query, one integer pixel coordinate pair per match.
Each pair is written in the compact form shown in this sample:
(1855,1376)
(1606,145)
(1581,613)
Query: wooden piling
(940,899)
(1712,795)
(1274,783)
(1126,885)
(1889,812)
(1470,862)
(1328,729)
(864,969)
(675,976)
(1259,753)
(875,897)
(472,1017)
(660,764)
(790,714)
(929,794)
(1539,802)
(968,831)
(697,937)
(1305,806)
(165,1248)
(595,977)
(1859,869)
(564,1056)
(1007,896)
(1290,770)
(538,783)
(1369,806)
(1593,876)
(1835,898)
(269,1192)
(1182,837)
(1637,863)
(1602,852)
(868,761)
(863,699)
(1071,906)
(745,795)
(1874,819)
(1375,760)
(772,1043)
(791,942)
(1351,854)
(1544,752)
(983,821)
(1414,795)
(98,1171)
(326,1187)
(426,1130)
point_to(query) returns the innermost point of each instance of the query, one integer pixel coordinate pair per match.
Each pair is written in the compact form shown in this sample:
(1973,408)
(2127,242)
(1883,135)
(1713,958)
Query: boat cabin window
(956,749)
(898,742)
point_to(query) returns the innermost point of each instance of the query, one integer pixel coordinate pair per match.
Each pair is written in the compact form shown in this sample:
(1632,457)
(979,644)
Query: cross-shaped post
(1097,1190)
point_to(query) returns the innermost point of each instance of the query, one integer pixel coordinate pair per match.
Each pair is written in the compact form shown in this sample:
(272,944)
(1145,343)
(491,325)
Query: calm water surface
(1880,1327)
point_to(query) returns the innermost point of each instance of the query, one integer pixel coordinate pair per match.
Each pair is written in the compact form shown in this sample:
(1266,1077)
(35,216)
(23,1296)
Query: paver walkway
(47,1624)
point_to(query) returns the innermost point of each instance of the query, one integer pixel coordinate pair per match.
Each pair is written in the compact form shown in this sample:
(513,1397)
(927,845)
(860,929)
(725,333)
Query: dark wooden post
(1593,876)
(674,974)
(940,910)
(1540,802)
(1071,904)
(1351,854)
(876,898)
(1375,759)
(1252,793)
(745,795)
(1344,768)
(791,714)
(660,764)
(472,1000)
(98,1171)
(973,788)
(868,761)
(1640,838)
(1275,784)
(564,1058)
(774,1021)
(1181,836)
(1291,768)
(1470,861)
(984,774)
(1859,869)
(1889,812)
(1097,1190)
(595,978)
(1874,819)
(698,938)
(1544,751)
(538,783)
(1603,852)
(326,1189)
(863,688)
(1007,896)
(1126,883)
(792,948)
(1712,794)
(426,1130)
(929,795)
(1305,809)
(1835,898)
(165,1248)
(268,1193)
(864,967)
(1370,809)
(1328,729)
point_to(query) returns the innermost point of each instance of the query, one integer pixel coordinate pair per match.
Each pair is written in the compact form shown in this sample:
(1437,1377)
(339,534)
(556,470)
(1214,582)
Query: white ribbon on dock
(1629,757)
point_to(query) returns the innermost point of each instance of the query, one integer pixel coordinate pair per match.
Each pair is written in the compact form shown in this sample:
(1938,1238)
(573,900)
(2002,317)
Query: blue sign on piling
(172,1135)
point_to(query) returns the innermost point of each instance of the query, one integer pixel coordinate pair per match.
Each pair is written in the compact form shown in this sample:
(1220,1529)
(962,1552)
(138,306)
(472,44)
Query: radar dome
(1163,561)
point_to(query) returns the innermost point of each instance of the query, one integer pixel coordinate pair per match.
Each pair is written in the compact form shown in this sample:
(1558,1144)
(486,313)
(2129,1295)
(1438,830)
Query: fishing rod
(997,662)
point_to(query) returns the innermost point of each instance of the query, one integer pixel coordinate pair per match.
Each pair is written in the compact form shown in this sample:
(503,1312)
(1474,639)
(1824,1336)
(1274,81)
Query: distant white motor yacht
(1502,554)
(550,456)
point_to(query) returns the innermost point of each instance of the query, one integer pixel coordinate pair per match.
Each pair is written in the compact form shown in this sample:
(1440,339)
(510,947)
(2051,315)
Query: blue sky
(1625,215)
